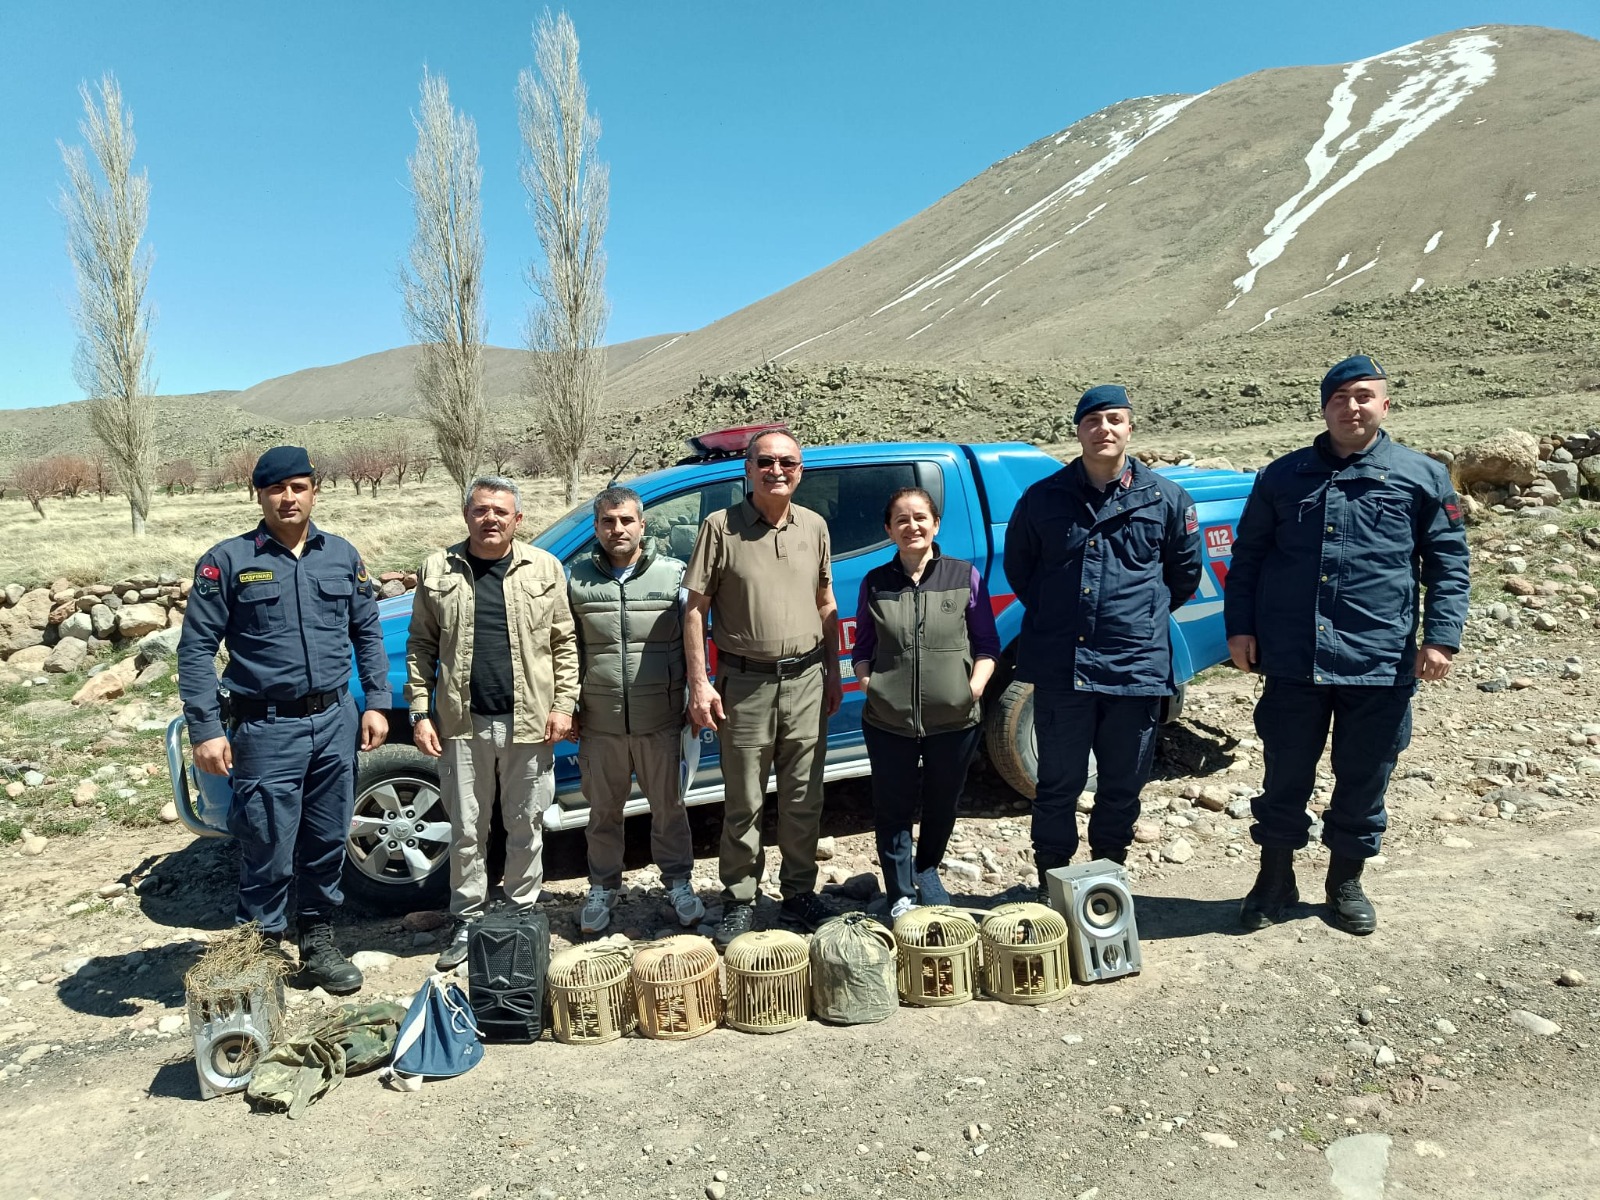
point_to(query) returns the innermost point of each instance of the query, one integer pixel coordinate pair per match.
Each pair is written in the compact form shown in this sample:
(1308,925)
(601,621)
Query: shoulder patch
(1452,508)
(1191,521)
(361,570)
(209,571)
(261,576)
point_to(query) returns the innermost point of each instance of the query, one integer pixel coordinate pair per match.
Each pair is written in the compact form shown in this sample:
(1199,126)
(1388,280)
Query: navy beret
(280,463)
(1107,395)
(1357,366)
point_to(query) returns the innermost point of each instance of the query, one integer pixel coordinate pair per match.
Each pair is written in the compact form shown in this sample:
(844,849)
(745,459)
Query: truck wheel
(1010,741)
(397,857)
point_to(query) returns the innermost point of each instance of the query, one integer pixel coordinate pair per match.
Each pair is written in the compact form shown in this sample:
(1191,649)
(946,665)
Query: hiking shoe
(455,950)
(595,914)
(808,910)
(1352,911)
(689,907)
(738,916)
(1116,854)
(1274,889)
(901,907)
(1045,864)
(321,963)
(930,888)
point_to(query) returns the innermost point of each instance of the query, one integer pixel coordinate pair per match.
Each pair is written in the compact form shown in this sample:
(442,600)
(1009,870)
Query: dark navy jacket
(289,623)
(1327,562)
(1098,585)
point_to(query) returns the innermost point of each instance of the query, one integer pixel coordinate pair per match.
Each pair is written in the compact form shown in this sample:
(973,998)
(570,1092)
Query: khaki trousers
(609,762)
(771,723)
(469,773)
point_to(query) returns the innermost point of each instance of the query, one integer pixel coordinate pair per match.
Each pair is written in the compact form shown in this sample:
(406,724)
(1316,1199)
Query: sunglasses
(787,461)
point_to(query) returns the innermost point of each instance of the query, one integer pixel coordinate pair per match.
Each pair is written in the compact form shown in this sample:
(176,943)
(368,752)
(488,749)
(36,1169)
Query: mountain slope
(1469,155)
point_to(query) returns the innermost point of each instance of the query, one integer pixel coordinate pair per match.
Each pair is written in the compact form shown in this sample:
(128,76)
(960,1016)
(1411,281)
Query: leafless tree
(501,447)
(421,463)
(568,193)
(74,474)
(238,466)
(104,478)
(402,450)
(104,228)
(367,464)
(179,475)
(37,479)
(533,460)
(443,288)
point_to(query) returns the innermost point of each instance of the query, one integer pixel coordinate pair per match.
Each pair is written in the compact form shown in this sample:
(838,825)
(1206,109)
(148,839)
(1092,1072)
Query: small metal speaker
(231,1034)
(1103,937)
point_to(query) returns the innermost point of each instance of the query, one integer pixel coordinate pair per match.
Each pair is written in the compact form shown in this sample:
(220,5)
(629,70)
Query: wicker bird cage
(853,969)
(591,994)
(769,981)
(938,956)
(676,989)
(1025,954)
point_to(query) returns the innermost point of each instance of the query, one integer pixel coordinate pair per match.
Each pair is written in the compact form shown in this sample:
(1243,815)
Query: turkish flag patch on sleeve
(1191,522)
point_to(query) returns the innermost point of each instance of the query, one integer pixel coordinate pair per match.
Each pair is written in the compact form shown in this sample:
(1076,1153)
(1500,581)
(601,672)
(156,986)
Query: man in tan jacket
(492,666)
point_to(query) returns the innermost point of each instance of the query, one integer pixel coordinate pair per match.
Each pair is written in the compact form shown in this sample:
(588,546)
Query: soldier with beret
(1099,553)
(1336,543)
(291,602)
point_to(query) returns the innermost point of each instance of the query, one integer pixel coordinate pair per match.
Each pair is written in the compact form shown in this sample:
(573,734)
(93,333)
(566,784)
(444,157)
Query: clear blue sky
(750,144)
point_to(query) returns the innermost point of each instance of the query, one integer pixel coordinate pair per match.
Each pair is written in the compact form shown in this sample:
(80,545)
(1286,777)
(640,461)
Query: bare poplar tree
(444,287)
(104,227)
(568,193)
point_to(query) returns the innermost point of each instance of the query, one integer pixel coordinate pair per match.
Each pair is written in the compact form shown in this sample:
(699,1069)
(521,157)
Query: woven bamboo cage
(769,981)
(1025,954)
(938,956)
(591,994)
(676,988)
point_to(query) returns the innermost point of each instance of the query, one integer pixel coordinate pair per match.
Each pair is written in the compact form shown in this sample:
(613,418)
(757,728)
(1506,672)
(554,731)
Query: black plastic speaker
(508,961)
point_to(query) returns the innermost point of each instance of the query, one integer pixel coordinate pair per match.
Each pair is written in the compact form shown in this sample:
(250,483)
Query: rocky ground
(1453,1053)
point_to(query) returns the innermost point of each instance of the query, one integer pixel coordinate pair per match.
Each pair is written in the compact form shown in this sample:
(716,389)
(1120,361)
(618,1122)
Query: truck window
(851,500)
(673,521)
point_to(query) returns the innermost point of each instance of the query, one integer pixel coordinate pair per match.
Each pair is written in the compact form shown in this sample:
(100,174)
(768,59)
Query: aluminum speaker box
(1102,934)
(231,1034)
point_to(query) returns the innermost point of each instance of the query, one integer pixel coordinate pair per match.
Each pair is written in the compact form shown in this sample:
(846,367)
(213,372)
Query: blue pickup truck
(400,835)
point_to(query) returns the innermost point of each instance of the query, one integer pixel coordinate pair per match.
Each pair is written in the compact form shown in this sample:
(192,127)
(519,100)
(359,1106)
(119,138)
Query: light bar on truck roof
(728,443)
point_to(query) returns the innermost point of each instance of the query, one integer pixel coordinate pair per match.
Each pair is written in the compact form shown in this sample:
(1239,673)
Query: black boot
(1274,889)
(1352,911)
(1117,854)
(1044,863)
(321,964)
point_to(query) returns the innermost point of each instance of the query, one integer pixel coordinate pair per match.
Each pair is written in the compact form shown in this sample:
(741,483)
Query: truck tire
(397,857)
(1010,741)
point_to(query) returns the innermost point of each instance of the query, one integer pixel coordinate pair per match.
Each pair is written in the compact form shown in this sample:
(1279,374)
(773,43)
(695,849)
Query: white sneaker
(901,907)
(689,907)
(596,912)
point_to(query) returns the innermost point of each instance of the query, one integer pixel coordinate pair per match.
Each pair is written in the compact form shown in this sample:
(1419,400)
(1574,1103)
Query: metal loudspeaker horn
(1102,937)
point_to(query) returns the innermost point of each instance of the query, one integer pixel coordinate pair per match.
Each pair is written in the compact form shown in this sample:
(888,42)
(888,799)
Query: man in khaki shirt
(763,569)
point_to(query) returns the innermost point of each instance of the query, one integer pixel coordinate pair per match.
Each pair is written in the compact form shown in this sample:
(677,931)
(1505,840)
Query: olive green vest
(630,643)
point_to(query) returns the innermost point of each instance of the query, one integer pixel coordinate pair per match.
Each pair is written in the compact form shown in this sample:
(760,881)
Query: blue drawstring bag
(438,1039)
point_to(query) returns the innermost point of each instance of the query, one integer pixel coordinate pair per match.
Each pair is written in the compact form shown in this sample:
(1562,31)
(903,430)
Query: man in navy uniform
(1322,600)
(1099,553)
(290,601)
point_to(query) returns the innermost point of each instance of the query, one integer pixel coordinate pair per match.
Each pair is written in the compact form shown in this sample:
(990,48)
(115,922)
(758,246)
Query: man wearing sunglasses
(762,569)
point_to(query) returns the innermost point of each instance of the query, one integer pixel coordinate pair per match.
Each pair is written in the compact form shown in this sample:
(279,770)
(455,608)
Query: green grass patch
(60,824)
(10,831)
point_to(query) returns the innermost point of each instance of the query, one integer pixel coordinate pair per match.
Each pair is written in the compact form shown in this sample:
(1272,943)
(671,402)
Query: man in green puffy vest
(627,600)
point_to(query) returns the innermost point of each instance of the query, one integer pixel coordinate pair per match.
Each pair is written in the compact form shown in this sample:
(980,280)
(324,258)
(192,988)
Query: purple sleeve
(866,630)
(985,638)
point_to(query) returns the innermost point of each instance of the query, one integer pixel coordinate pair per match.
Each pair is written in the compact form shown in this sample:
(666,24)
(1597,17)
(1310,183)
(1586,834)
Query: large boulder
(31,658)
(29,615)
(110,683)
(67,657)
(14,592)
(23,639)
(161,644)
(136,620)
(1510,456)
(1563,475)
(77,627)
(102,622)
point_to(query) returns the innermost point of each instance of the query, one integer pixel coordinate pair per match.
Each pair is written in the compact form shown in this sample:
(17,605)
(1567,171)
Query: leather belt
(252,708)
(783,668)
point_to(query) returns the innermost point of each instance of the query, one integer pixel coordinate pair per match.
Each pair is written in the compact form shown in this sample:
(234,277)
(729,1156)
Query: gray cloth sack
(853,971)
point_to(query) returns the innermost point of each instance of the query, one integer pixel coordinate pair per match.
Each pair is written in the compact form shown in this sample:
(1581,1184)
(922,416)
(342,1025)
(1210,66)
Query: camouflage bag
(853,971)
(311,1061)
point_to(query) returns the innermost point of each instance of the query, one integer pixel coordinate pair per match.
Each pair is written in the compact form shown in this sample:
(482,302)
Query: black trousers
(1370,725)
(912,774)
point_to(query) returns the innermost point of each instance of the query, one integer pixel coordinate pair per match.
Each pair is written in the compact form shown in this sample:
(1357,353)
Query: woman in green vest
(925,648)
